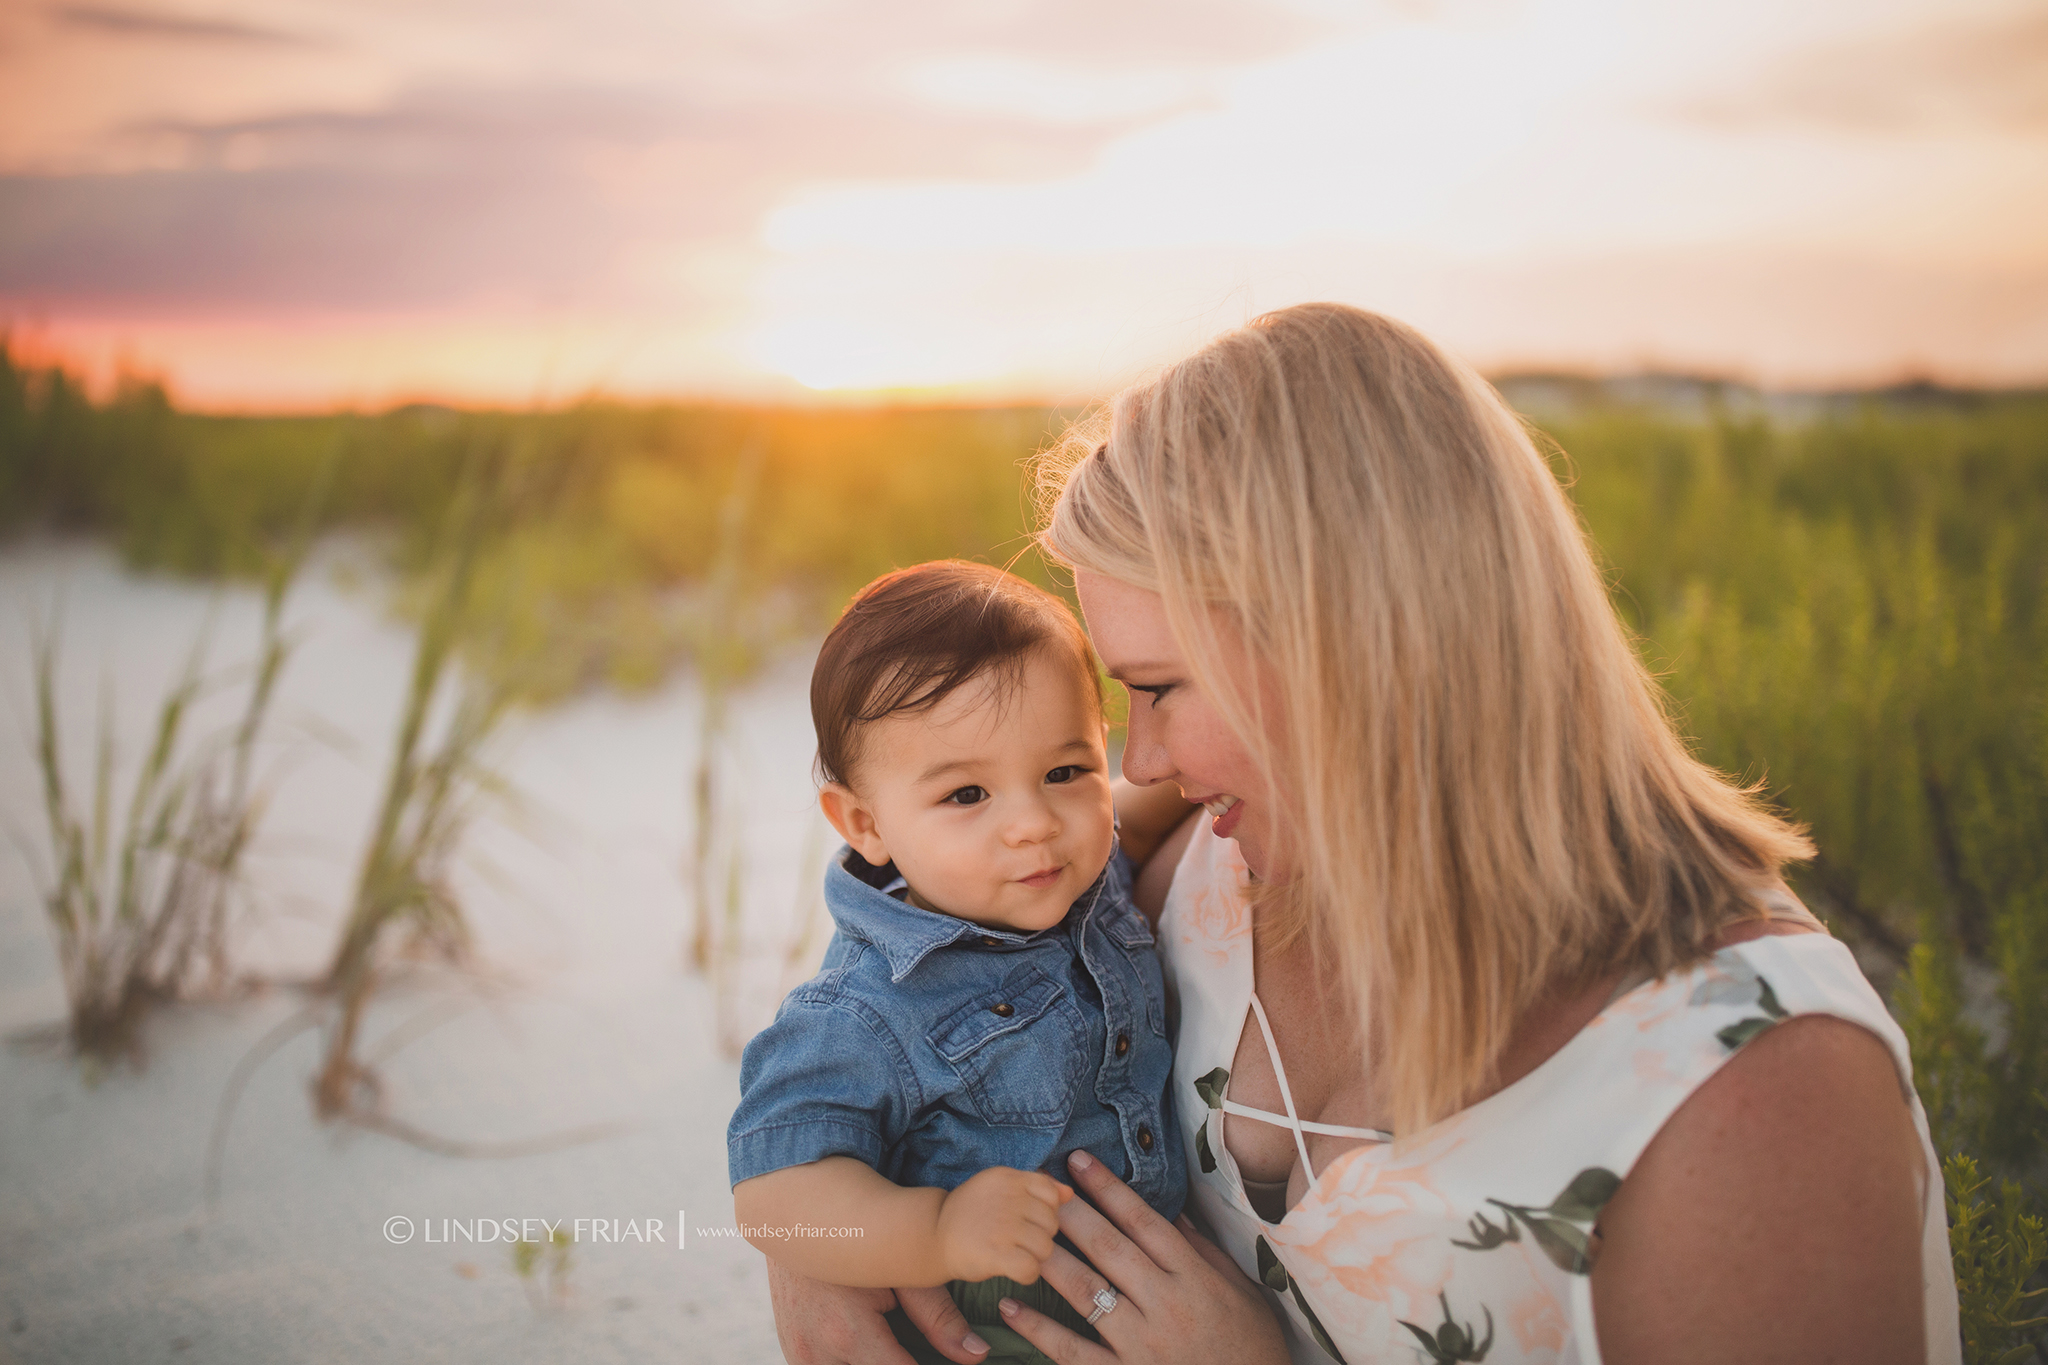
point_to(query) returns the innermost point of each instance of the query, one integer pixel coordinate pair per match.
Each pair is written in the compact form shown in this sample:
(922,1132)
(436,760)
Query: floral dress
(1469,1242)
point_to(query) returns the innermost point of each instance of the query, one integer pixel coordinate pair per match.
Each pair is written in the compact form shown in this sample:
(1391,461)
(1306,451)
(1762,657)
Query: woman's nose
(1145,759)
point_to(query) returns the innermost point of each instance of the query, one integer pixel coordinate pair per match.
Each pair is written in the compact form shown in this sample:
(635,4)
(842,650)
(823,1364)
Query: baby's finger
(1047,1190)
(1022,1267)
(1040,1216)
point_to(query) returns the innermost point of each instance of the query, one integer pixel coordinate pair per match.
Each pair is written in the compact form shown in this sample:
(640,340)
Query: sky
(290,204)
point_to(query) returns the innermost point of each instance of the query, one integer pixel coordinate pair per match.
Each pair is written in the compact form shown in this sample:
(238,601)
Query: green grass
(1851,611)
(1998,1247)
(432,783)
(140,901)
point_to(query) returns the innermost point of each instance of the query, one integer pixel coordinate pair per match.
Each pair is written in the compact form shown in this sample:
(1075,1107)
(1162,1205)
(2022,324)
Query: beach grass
(433,779)
(140,899)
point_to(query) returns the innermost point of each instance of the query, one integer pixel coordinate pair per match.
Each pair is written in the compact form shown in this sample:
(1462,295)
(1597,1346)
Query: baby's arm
(1000,1222)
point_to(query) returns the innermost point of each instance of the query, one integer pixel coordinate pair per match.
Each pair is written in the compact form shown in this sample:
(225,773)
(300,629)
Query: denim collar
(904,933)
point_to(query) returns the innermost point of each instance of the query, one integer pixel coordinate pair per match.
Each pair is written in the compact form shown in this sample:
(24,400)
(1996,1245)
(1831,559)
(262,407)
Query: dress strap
(1286,1095)
(1290,1119)
(1327,1129)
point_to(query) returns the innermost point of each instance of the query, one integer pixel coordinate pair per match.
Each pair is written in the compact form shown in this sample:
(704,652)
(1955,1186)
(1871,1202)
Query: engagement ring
(1105,1299)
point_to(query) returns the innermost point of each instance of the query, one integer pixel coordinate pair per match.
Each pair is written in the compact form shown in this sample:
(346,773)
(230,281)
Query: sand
(579,1012)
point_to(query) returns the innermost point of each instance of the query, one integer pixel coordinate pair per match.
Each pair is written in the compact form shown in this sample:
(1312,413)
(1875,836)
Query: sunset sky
(293,203)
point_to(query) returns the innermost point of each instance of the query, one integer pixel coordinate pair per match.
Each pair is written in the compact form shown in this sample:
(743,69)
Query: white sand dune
(581,1013)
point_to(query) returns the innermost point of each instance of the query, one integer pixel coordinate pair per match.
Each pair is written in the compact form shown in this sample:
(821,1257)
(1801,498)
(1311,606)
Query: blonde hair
(1483,795)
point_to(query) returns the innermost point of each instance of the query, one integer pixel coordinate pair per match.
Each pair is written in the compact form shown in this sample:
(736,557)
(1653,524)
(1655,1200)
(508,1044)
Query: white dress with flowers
(1468,1242)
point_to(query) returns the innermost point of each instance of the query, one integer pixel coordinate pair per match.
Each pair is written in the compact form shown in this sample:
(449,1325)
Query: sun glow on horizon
(850,355)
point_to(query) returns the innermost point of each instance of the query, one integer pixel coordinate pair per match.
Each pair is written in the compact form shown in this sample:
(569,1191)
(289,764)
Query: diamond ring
(1105,1299)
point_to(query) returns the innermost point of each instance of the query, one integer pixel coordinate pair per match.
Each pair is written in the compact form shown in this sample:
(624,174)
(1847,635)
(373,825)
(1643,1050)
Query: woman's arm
(1776,1217)
(999,1222)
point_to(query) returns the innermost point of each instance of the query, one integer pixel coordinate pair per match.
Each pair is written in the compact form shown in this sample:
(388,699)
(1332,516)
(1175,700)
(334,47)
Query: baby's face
(994,804)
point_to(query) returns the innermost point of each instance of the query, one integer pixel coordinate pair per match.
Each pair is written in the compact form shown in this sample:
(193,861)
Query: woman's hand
(829,1324)
(1179,1298)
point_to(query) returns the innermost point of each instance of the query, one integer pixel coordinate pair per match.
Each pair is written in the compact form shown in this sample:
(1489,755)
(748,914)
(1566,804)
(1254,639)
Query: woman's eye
(1066,773)
(966,796)
(1157,692)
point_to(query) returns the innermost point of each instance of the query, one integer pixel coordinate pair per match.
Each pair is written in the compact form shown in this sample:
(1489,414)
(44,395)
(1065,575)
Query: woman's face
(1177,734)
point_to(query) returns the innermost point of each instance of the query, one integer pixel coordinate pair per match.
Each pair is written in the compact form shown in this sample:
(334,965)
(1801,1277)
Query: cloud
(584,152)
(127,23)
(1129,33)
(1969,74)
(444,196)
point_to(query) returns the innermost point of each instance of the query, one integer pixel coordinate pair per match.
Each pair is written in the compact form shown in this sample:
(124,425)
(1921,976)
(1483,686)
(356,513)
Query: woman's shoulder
(1789,1189)
(1800,975)
(1614,1085)
(1771,1017)
(1759,1111)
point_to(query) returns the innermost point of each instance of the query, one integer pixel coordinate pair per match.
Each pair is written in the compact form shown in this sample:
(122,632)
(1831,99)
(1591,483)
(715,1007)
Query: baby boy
(991,1000)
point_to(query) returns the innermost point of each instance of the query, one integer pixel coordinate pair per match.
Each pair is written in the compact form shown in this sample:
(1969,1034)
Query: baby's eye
(965,796)
(1067,773)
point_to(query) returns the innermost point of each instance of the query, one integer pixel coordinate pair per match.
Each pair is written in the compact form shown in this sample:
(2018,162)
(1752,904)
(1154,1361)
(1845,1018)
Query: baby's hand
(1000,1222)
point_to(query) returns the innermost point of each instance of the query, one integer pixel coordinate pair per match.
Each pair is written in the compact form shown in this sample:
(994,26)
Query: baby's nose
(1034,823)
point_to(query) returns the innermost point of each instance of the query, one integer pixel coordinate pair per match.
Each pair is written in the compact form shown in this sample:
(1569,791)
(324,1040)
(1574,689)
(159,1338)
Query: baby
(991,1001)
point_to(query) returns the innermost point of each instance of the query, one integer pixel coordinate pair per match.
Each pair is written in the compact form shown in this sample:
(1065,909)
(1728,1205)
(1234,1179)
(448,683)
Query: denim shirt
(932,1048)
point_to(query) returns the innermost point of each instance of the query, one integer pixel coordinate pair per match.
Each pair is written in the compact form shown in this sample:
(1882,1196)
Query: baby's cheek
(963,866)
(945,868)
(1095,823)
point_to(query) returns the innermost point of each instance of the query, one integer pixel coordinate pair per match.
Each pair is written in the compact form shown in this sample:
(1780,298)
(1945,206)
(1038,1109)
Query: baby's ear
(854,820)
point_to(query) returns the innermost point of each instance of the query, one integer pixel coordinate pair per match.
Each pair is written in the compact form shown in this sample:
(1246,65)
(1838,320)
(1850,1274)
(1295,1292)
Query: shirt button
(1145,1138)
(991,942)
(1003,1008)
(1123,1043)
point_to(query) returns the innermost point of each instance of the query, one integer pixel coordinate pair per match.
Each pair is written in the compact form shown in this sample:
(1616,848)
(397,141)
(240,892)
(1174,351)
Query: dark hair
(911,638)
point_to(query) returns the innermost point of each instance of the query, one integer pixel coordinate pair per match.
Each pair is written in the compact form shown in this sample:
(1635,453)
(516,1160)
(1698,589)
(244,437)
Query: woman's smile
(1228,810)
(1225,810)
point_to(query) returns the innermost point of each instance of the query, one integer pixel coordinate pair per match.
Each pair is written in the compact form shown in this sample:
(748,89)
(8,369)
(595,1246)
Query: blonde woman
(1499,1035)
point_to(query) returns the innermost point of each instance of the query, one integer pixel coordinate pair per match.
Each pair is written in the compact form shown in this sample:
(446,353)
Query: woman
(1500,1037)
